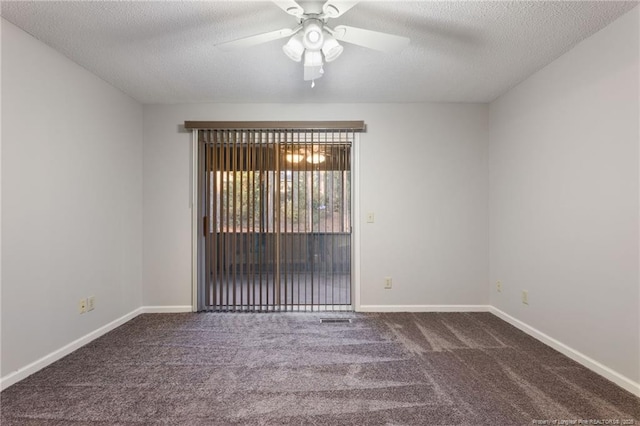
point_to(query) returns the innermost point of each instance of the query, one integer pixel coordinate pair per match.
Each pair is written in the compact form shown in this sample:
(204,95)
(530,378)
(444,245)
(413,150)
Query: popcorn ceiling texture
(164,52)
(281,369)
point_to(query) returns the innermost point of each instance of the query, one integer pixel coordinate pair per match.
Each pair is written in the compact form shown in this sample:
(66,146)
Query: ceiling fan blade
(334,8)
(256,39)
(382,42)
(290,6)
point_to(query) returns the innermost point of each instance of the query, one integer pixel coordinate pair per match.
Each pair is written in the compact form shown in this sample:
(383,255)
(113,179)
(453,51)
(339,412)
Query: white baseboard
(26,371)
(422,308)
(591,364)
(579,357)
(166,309)
(54,356)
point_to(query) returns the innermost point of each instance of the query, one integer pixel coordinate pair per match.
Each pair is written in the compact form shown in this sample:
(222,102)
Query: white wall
(71,200)
(423,172)
(564,189)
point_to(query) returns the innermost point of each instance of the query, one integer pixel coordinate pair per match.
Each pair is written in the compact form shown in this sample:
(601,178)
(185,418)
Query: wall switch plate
(82,306)
(525,297)
(499,286)
(91,303)
(371,218)
(388,283)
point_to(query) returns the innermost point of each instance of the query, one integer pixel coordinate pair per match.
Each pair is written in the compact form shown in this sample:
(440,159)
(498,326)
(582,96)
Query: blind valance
(353,126)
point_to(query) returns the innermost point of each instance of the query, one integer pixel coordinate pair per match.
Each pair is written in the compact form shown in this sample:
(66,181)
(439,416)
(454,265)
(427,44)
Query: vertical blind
(276,219)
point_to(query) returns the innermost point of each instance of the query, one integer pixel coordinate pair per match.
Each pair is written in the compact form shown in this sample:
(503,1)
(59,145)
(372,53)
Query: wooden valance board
(354,126)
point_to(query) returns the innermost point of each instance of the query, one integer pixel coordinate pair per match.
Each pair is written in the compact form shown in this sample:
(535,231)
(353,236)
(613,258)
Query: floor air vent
(334,320)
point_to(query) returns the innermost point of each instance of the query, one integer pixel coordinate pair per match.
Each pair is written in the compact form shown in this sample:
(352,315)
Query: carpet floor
(282,369)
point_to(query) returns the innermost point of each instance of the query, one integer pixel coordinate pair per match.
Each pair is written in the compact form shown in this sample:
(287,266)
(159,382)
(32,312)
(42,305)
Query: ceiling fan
(314,40)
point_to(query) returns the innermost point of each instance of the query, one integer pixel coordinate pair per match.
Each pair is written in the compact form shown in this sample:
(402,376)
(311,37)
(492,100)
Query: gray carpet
(274,369)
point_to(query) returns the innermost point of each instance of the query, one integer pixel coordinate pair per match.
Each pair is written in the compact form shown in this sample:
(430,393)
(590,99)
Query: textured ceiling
(164,52)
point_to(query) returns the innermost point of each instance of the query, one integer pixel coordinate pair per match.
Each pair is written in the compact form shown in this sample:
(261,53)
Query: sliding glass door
(276,220)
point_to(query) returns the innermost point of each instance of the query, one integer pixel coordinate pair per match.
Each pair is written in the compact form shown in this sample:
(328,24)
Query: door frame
(197,252)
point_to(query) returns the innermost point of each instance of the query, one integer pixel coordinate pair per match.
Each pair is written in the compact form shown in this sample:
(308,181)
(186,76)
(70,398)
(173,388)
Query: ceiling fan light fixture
(313,37)
(331,49)
(316,158)
(294,48)
(294,158)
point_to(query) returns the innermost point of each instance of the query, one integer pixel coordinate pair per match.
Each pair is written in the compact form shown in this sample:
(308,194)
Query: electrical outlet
(388,283)
(82,306)
(525,297)
(371,218)
(91,303)
(499,286)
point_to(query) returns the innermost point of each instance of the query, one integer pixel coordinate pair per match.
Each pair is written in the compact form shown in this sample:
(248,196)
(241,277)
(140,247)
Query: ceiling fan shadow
(425,32)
